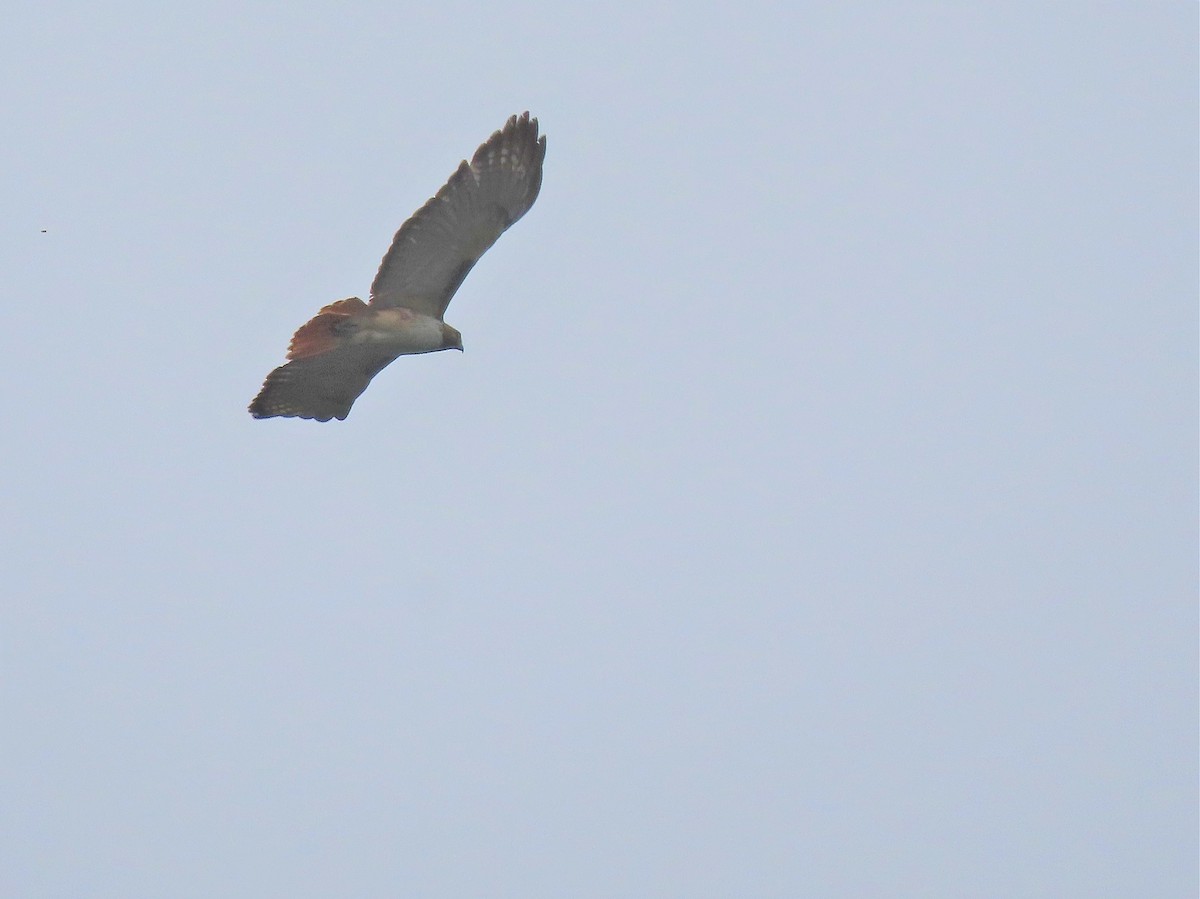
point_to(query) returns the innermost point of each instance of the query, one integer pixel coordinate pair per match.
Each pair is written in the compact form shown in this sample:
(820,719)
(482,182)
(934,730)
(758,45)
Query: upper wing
(324,386)
(433,251)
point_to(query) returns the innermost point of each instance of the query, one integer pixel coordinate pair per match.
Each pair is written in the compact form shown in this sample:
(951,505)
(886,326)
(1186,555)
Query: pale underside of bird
(334,356)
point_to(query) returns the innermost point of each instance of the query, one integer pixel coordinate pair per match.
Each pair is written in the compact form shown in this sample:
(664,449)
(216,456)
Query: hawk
(335,355)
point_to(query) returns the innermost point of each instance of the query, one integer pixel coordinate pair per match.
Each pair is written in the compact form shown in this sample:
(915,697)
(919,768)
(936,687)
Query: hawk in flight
(335,355)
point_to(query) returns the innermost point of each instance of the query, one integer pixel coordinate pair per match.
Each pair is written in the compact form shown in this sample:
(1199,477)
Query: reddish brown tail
(320,334)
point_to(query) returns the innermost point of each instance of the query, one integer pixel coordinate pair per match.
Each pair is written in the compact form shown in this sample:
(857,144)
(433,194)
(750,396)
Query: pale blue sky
(812,511)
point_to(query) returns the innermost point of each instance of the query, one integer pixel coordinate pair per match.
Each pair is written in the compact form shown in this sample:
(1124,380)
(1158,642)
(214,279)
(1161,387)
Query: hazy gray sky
(812,512)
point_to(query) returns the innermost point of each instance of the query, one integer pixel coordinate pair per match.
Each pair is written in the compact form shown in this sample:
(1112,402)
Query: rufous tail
(321,333)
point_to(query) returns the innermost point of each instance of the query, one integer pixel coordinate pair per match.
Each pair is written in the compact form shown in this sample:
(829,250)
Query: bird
(333,357)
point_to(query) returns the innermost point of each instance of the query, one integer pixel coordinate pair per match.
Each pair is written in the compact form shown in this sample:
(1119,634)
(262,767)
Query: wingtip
(520,122)
(264,406)
(258,405)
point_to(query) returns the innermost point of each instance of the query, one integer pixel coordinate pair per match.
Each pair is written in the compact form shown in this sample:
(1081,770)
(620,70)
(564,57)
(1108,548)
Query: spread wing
(433,251)
(323,386)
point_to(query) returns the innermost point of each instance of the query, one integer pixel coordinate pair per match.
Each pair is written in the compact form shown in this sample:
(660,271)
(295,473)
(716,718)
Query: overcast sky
(812,511)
